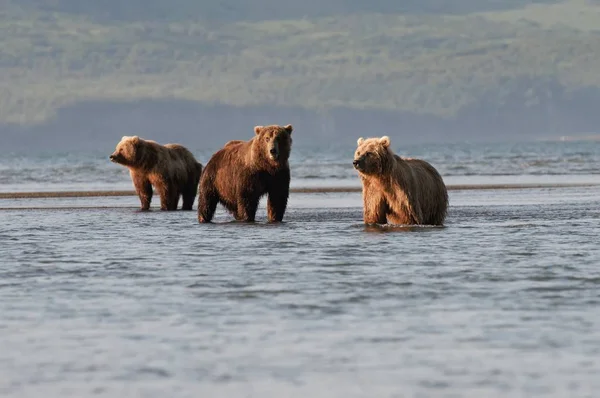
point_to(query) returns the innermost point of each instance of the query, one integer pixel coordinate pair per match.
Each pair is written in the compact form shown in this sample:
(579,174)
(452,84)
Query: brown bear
(398,190)
(241,172)
(170,168)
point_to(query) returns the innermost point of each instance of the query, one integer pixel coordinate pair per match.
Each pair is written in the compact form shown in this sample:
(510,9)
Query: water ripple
(95,300)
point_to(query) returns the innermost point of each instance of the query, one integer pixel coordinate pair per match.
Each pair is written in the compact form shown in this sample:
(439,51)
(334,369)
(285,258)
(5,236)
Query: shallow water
(318,166)
(97,298)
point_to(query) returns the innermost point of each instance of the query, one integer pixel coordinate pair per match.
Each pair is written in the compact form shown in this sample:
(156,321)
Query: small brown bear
(170,168)
(398,190)
(241,172)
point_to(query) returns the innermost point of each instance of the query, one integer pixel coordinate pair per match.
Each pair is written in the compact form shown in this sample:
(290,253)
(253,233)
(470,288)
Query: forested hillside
(445,59)
(257,10)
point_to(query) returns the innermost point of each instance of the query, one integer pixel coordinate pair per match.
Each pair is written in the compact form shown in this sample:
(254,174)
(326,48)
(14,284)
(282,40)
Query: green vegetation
(418,62)
(258,10)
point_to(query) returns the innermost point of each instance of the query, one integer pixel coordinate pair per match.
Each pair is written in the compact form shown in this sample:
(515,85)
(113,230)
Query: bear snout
(358,164)
(274,153)
(115,157)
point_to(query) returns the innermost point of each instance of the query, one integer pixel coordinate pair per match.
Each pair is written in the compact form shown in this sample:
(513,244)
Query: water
(529,162)
(99,299)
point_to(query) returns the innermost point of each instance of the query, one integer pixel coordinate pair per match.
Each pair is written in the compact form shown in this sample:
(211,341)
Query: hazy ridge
(475,70)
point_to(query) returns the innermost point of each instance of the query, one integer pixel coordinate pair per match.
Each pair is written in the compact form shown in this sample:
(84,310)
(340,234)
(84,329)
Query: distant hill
(258,10)
(514,65)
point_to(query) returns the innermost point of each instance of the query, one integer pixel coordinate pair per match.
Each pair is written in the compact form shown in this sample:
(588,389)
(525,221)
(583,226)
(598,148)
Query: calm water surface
(98,299)
(523,162)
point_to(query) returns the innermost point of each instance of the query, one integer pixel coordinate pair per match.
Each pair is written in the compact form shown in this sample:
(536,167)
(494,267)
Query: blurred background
(79,74)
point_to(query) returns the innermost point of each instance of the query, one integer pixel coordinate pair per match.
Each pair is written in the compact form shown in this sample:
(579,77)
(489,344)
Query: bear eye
(267,139)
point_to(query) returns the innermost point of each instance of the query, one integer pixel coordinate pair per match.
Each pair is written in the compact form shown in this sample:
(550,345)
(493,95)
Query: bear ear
(289,128)
(385,141)
(360,140)
(257,129)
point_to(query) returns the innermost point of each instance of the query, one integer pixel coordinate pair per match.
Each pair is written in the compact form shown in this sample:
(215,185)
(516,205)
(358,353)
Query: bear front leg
(207,202)
(405,214)
(143,187)
(402,217)
(277,203)
(246,209)
(374,208)
(417,216)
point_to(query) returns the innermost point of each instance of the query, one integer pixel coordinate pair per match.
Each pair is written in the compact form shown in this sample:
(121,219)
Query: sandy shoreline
(115,193)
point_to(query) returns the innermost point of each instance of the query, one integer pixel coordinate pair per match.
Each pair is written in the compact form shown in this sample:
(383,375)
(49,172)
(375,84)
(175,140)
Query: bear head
(127,152)
(372,155)
(275,142)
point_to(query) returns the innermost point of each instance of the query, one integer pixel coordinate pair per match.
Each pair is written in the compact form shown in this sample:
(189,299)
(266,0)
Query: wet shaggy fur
(170,168)
(239,174)
(396,190)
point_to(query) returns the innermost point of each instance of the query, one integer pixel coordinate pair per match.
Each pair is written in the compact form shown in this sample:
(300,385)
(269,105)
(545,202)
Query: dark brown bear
(170,168)
(239,174)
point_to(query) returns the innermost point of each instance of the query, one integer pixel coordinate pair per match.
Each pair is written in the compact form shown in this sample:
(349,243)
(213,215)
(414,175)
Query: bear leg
(374,209)
(207,204)
(169,196)
(188,195)
(277,203)
(188,192)
(401,218)
(188,200)
(143,188)
(174,195)
(246,209)
(404,214)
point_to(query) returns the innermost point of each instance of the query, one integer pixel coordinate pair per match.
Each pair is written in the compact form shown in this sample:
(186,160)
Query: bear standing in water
(170,168)
(239,174)
(398,190)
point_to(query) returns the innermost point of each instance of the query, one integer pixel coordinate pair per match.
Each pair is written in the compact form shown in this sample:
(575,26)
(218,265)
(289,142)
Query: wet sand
(452,187)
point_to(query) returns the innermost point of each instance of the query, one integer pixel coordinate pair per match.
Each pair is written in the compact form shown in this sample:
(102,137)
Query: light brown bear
(170,168)
(241,172)
(398,190)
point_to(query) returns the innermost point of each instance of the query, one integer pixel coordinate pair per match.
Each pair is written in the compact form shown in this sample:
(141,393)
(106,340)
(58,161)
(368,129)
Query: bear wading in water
(397,190)
(241,172)
(170,168)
